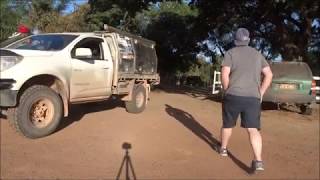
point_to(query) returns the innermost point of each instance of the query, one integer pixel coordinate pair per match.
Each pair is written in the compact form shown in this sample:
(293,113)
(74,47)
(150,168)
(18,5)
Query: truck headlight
(7,62)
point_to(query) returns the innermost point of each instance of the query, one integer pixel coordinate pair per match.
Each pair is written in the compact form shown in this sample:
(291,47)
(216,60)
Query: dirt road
(174,138)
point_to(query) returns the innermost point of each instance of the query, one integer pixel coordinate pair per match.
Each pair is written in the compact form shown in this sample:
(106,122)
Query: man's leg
(225,136)
(230,113)
(256,143)
(250,119)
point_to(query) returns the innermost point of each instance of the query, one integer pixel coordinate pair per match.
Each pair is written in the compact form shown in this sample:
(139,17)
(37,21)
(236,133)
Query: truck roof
(96,33)
(110,29)
(70,33)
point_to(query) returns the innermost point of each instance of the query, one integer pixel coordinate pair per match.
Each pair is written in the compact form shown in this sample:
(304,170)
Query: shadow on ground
(2,116)
(282,107)
(77,111)
(126,167)
(194,126)
(195,92)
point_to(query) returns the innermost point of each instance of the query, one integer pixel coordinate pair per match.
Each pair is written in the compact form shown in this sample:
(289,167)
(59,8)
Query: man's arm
(266,71)
(225,72)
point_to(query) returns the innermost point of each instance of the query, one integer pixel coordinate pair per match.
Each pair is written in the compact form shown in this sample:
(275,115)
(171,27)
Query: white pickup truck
(42,75)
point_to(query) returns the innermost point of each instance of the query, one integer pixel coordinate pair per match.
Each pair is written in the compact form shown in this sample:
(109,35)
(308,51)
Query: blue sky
(72,6)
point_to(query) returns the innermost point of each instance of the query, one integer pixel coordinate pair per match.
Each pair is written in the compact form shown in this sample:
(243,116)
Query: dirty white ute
(42,75)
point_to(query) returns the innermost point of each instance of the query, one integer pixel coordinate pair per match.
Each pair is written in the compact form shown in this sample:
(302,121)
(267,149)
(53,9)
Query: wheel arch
(52,82)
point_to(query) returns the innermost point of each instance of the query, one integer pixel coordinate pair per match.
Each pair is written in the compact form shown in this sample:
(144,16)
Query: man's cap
(242,37)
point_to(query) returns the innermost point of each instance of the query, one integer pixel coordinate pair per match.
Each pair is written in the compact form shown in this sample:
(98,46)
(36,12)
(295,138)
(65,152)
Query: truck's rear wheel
(138,102)
(306,109)
(39,112)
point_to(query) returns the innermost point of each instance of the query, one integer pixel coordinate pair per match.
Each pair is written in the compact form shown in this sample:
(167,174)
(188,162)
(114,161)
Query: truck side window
(95,44)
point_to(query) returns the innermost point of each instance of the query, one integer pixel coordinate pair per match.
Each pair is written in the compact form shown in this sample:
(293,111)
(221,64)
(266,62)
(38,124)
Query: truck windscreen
(52,42)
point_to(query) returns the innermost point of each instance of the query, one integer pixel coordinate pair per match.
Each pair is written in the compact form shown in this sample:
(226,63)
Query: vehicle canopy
(136,55)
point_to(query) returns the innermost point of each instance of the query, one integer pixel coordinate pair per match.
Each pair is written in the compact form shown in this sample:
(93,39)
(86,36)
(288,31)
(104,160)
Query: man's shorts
(249,109)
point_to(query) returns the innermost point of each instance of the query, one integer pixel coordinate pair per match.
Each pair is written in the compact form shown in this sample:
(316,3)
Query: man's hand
(266,71)
(225,72)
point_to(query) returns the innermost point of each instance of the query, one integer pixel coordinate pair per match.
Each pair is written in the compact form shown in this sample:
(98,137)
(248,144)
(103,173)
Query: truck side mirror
(83,53)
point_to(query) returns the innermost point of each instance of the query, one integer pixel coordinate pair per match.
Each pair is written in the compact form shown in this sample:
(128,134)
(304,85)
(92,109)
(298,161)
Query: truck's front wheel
(39,112)
(138,102)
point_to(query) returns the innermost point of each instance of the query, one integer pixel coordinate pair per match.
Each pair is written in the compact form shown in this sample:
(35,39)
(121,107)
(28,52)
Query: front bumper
(8,97)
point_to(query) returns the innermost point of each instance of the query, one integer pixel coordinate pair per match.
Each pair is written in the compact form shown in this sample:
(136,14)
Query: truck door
(91,76)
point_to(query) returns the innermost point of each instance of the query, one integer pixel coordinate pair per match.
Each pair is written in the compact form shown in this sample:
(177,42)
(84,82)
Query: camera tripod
(127,162)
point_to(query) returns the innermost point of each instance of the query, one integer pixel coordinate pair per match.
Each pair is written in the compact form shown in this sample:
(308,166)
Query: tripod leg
(120,170)
(132,170)
(127,168)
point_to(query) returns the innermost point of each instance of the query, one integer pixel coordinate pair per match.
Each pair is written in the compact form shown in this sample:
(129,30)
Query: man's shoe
(223,152)
(257,165)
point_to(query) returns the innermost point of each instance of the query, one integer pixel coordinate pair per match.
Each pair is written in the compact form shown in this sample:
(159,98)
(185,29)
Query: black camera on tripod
(126,146)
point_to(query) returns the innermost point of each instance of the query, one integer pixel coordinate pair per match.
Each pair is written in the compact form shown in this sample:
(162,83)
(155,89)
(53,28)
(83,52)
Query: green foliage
(277,27)
(46,15)
(9,20)
(217,61)
(117,13)
(170,24)
(74,22)
(206,72)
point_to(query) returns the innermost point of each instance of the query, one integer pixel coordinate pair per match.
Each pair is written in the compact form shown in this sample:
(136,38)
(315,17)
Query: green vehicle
(292,83)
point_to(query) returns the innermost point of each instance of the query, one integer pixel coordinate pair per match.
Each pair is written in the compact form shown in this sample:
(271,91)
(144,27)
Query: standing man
(241,73)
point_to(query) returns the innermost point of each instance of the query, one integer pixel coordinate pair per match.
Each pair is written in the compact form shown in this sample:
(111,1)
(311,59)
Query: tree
(171,25)
(117,13)
(75,22)
(279,27)
(40,14)
(9,20)
(45,14)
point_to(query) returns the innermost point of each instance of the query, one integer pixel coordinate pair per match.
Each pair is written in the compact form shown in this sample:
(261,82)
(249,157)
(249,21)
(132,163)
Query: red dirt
(174,138)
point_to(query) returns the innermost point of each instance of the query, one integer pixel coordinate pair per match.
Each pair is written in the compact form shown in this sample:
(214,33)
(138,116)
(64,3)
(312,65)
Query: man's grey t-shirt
(246,65)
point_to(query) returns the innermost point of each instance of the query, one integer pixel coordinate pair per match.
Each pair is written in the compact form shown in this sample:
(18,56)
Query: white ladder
(216,85)
(317,88)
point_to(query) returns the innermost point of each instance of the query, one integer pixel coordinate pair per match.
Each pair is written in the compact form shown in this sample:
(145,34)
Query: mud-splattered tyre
(39,112)
(138,102)
(306,110)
